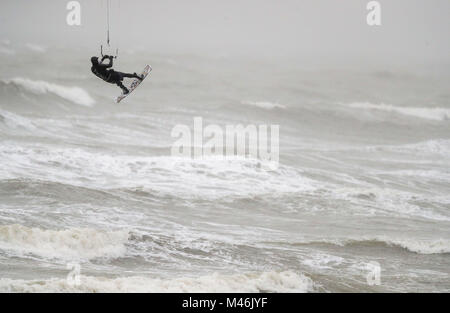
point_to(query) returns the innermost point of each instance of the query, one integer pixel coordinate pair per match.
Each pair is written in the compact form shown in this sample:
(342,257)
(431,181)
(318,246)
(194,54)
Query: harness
(102,74)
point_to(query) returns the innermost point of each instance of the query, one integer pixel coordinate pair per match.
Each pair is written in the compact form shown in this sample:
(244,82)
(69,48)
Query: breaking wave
(264,105)
(76,95)
(286,281)
(16,121)
(209,177)
(436,246)
(417,246)
(68,244)
(438,114)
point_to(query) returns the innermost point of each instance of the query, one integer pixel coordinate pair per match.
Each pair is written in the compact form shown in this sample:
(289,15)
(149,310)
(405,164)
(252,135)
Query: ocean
(93,200)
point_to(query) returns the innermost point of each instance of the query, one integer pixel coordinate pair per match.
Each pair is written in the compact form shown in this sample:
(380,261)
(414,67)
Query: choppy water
(364,177)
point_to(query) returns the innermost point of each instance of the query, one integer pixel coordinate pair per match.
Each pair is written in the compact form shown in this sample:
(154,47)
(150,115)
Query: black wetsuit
(105,72)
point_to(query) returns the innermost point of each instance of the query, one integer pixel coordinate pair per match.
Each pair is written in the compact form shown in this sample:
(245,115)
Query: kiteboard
(136,82)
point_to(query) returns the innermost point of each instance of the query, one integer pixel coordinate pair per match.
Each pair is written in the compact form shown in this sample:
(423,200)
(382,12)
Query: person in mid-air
(105,72)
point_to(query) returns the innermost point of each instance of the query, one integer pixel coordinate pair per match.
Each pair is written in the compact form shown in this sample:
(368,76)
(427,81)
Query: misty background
(364,171)
(413,33)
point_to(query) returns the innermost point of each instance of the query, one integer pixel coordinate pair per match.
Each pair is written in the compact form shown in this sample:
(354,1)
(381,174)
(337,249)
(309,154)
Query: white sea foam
(391,202)
(185,177)
(428,148)
(68,244)
(436,146)
(264,104)
(76,95)
(16,121)
(439,114)
(286,281)
(323,261)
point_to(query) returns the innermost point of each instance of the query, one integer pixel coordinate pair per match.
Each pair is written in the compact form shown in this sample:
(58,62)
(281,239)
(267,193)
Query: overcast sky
(411,29)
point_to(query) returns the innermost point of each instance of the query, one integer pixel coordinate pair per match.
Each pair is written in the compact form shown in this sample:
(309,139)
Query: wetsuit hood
(94,60)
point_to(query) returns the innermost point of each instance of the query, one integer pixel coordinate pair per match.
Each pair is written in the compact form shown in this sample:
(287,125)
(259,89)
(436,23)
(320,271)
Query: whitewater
(363,178)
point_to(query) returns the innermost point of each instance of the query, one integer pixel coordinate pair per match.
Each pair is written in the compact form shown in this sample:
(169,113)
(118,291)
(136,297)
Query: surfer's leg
(115,77)
(141,77)
(134,75)
(125,90)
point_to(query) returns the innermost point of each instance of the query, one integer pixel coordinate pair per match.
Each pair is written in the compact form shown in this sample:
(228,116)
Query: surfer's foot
(138,77)
(125,91)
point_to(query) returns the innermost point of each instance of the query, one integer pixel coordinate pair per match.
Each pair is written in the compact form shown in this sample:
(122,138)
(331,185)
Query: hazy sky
(411,29)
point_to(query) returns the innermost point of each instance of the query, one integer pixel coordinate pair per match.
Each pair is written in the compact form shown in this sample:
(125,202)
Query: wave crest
(264,104)
(209,177)
(69,244)
(438,114)
(76,95)
(16,121)
(436,246)
(286,281)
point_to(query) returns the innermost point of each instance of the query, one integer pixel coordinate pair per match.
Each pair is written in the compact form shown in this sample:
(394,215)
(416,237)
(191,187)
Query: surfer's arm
(110,62)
